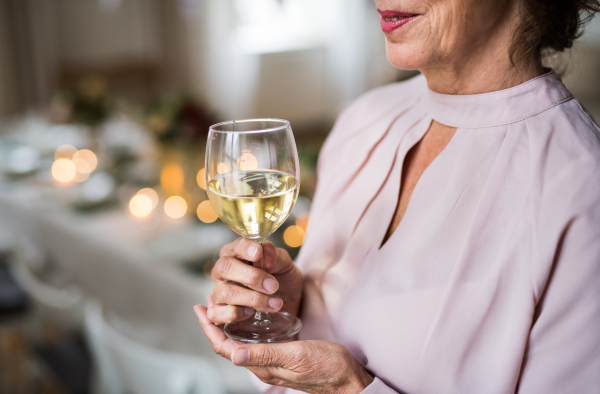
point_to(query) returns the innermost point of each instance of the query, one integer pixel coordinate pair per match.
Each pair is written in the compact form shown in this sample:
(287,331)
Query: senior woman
(455,237)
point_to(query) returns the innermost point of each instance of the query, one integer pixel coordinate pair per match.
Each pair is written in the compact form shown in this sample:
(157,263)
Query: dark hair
(550,26)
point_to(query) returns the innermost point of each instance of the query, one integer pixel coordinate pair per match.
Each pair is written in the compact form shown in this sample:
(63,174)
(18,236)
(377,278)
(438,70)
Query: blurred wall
(8,87)
(104,32)
(123,40)
(27,52)
(303,60)
(305,64)
(45,42)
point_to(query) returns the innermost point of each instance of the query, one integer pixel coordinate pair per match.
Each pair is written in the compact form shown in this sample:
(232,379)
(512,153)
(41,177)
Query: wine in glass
(253,178)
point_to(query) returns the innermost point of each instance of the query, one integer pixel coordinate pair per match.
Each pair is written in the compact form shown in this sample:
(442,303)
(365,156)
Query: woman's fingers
(231,269)
(233,294)
(222,345)
(223,314)
(243,249)
(270,355)
(310,366)
(276,261)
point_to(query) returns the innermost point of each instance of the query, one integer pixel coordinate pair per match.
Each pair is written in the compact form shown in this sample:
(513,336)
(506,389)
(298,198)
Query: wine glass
(253,178)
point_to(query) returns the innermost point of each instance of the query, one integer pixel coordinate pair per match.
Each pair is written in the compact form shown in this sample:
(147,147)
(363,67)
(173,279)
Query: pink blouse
(491,282)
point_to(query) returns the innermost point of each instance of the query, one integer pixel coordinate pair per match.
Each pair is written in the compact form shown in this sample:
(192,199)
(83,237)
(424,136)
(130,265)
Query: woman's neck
(483,77)
(483,67)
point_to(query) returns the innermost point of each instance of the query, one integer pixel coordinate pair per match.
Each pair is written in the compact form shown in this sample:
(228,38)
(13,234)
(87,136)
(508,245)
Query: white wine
(253,203)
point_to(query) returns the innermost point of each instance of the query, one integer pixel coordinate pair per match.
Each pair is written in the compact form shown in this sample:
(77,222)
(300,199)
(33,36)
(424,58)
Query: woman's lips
(392,20)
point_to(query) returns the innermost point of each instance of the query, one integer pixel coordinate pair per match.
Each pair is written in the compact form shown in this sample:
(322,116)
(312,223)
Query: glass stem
(258,314)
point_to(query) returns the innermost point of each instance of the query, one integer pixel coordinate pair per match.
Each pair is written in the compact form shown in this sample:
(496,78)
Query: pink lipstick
(392,20)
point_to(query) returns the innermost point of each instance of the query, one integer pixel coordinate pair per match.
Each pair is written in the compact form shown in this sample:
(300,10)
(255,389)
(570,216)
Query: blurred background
(106,235)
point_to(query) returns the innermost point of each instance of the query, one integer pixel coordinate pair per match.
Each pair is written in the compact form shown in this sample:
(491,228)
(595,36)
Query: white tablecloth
(107,254)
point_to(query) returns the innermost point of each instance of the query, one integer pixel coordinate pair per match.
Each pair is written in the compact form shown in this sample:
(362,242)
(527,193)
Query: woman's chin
(405,62)
(406,58)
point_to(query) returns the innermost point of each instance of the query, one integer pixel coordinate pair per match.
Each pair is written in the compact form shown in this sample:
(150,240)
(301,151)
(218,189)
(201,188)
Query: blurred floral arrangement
(87,102)
(174,117)
(170,117)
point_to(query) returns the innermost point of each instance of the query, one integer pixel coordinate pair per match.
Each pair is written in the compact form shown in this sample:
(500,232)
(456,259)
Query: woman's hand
(241,288)
(312,366)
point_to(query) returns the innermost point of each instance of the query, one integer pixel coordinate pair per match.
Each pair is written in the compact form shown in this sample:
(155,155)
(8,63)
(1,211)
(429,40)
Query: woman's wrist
(359,381)
(365,380)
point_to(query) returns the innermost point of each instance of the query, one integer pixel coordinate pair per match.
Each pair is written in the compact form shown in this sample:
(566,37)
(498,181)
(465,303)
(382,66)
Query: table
(109,257)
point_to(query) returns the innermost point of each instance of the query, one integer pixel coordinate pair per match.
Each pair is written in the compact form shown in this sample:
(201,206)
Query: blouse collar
(498,108)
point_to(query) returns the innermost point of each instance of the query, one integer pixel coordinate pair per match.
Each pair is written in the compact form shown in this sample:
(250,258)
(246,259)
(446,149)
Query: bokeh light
(87,156)
(222,168)
(82,166)
(140,206)
(64,170)
(172,178)
(247,161)
(206,213)
(303,220)
(175,207)
(200,179)
(151,194)
(293,236)
(65,152)
(81,176)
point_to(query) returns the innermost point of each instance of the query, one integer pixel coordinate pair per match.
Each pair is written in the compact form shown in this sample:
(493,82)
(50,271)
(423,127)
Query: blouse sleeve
(563,354)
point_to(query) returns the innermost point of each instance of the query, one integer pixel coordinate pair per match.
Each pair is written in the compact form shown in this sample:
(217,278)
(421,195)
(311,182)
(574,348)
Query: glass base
(272,327)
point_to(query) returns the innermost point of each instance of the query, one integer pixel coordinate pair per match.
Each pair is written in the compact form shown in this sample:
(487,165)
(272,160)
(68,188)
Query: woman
(455,236)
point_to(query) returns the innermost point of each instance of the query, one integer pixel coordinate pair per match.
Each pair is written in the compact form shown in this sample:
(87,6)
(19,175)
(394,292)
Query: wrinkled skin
(317,367)
(240,288)
(461,46)
(310,366)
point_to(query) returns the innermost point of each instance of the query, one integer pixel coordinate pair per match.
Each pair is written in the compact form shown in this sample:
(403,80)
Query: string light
(200,179)
(80,176)
(175,207)
(172,178)
(293,236)
(206,213)
(65,152)
(87,156)
(222,168)
(151,194)
(64,170)
(140,206)
(82,166)
(303,220)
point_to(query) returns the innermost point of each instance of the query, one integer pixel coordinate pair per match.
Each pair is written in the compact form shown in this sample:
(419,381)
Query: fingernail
(275,303)
(252,251)
(270,285)
(240,357)
(248,311)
